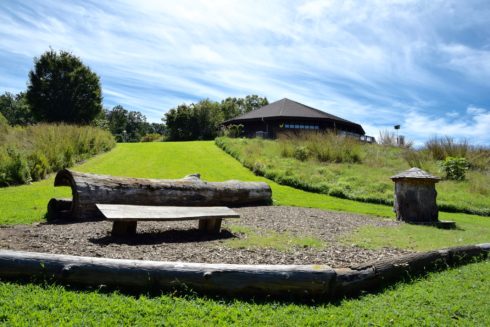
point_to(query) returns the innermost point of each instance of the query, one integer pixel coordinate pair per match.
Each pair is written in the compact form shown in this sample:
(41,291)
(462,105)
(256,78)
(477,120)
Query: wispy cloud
(379,63)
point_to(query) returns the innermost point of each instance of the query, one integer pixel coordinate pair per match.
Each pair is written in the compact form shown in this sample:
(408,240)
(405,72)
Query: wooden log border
(292,281)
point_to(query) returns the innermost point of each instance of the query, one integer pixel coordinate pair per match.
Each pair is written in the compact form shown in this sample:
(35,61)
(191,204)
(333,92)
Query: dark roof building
(287,115)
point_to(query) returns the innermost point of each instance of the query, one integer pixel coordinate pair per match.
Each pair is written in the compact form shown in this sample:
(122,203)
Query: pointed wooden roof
(286,108)
(415,173)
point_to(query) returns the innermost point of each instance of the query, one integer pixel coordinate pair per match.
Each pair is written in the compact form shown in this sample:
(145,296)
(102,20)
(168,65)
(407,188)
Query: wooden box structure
(415,197)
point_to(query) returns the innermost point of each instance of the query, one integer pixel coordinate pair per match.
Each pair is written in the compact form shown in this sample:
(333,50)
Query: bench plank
(119,212)
(125,217)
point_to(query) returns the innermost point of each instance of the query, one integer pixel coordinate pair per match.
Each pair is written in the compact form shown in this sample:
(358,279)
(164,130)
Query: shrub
(38,165)
(301,153)
(455,168)
(15,168)
(152,137)
(233,131)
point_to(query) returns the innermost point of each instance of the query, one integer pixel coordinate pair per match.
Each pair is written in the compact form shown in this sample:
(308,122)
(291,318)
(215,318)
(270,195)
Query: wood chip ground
(181,241)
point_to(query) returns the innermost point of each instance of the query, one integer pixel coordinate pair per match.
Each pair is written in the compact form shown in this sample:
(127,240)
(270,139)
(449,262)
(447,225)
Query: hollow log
(138,275)
(89,189)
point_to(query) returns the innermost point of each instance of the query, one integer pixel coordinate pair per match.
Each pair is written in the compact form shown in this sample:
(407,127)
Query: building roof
(286,108)
(415,173)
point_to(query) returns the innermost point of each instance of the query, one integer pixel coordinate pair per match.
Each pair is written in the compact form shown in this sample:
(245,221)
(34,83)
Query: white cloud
(378,63)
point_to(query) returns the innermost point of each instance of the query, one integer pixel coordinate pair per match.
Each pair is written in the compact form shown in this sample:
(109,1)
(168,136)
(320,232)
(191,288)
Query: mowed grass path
(446,298)
(26,204)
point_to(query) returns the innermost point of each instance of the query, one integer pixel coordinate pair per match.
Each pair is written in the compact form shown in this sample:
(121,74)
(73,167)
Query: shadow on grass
(167,236)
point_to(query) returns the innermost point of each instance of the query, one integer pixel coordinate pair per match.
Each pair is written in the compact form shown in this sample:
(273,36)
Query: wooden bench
(125,217)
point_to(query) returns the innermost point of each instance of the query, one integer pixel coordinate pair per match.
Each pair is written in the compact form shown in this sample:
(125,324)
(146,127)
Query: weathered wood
(118,212)
(123,228)
(415,196)
(89,189)
(227,279)
(59,209)
(211,226)
(125,217)
(299,281)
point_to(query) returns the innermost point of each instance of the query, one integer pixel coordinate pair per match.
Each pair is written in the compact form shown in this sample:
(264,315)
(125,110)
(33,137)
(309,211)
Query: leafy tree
(252,102)
(15,109)
(202,120)
(198,121)
(127,126)
(62,89)
(157,128)
(233,107)
(178,122)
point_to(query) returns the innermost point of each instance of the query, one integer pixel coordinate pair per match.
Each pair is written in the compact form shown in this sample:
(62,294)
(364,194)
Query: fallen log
(138,275)
(89,189)
(295,281)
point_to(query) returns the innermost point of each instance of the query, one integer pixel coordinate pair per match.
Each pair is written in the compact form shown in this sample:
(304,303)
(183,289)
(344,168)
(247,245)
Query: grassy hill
(343,168)
(446,298)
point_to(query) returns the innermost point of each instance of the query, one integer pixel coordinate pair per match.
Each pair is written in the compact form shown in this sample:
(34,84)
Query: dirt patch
(181,241)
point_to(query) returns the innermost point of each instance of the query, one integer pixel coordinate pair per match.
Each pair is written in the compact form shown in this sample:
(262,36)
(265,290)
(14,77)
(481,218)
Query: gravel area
(180,241)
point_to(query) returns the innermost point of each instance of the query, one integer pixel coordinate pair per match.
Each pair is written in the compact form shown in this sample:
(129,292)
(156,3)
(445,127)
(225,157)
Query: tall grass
(324,147)
(364,174)
(30,153)
(441,148)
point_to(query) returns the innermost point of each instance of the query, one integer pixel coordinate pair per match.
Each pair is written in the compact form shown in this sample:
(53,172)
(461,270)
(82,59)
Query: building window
(300,126)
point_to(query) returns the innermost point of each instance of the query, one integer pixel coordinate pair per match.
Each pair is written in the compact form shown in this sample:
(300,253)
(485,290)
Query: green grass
(367,181)
(26,204)
(422,238)
(254,239)
(454,297)
(29,153)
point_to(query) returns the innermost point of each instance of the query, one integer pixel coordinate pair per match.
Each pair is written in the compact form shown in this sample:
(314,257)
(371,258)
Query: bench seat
(125,217)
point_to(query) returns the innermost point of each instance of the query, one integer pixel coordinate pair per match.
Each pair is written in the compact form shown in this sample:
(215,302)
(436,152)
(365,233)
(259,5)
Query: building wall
(275,127)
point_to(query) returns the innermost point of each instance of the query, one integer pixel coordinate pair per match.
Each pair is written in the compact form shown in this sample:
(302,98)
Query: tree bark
(297,281)
(138,275)
(89,189)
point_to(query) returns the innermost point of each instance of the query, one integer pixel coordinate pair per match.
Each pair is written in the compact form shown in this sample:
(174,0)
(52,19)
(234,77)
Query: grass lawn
(451,298)
(26,204)
(454,297)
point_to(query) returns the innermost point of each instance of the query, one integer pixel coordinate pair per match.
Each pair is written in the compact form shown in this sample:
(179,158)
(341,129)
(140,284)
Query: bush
(233,131)
(301,153)
(152,137)
(455,168)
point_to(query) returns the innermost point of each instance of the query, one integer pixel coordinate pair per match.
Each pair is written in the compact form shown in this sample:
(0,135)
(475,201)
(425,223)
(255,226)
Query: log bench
(126,217)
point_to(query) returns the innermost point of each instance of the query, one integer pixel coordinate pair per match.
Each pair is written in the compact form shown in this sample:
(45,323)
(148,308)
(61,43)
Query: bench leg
(123,228)
(210,225)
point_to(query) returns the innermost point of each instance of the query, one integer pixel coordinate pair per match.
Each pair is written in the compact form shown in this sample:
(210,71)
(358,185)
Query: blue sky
(422,64)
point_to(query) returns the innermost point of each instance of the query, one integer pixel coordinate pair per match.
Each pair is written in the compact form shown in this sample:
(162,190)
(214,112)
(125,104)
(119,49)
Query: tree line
(61,88)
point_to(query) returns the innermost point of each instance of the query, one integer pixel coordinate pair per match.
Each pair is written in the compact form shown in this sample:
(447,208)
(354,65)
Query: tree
(15,109)
(202,120)
(62,89)
(233,107)
(127,126)
(252,102)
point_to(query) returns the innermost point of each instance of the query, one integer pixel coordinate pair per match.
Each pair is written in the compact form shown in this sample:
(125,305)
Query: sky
(424,65)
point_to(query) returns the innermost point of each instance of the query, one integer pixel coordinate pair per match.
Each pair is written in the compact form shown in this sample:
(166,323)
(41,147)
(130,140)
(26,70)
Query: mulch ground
(181,241)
